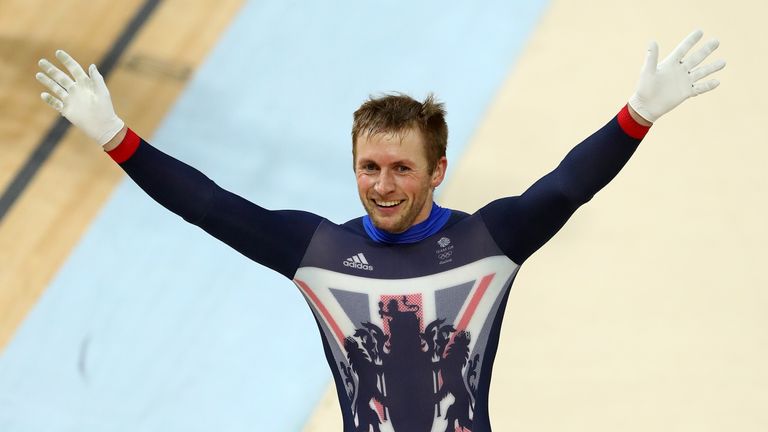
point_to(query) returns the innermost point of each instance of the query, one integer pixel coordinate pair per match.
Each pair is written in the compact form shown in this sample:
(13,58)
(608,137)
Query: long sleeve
(276,239)
(522,224)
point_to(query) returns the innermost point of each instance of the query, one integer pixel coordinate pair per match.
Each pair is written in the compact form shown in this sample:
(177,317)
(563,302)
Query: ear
(439,173)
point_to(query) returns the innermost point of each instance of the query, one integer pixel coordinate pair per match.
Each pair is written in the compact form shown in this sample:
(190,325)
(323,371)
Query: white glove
(85,101)
(674,80)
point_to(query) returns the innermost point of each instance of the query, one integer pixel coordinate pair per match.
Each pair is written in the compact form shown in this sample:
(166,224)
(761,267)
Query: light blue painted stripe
(187,335)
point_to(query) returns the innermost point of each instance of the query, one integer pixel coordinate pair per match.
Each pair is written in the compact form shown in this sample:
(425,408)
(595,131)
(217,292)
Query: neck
(435,220)
(426,211)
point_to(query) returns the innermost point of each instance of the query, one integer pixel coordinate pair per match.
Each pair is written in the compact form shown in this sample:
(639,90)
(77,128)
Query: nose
(385,183)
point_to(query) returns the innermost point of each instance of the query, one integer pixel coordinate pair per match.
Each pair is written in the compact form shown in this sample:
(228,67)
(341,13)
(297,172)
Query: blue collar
(438,216)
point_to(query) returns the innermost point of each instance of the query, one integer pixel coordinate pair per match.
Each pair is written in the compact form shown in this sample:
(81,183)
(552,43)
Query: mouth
(388,204)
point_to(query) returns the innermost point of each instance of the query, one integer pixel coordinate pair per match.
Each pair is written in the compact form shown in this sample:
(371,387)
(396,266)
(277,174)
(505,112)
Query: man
(409,298)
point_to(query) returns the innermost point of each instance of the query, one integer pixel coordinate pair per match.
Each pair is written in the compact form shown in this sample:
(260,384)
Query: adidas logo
(358,261)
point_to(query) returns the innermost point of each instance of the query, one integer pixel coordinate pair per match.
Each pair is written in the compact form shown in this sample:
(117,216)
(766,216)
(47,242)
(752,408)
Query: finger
(52,101)
(72,66)
(651,58)
(51,84)
(697,57)
(686,45)
(706,70)
(56,74)
(97,79)
(705,87)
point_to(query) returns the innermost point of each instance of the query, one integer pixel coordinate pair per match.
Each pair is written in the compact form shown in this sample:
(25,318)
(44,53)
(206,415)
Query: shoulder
(501,206)
(354,225)
(456,217)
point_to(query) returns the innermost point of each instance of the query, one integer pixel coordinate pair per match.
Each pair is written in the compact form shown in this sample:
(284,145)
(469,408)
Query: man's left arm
(523,224)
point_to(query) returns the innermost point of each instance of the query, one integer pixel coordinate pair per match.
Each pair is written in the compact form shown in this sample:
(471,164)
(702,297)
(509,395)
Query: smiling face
(394,179)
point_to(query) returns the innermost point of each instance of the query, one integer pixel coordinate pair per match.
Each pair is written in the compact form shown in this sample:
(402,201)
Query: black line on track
(54,135)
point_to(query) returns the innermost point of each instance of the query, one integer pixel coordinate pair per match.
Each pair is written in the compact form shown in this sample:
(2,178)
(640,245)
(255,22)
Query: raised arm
(276,239)
(522,224)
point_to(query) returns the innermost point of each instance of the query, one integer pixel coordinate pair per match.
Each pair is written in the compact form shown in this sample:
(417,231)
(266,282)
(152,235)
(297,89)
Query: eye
(368,166)
(402,168)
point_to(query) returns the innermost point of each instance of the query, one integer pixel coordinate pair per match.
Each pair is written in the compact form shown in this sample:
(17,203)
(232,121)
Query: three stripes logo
(358,261)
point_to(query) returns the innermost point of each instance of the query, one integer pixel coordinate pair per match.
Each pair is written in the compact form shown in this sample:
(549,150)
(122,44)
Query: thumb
(651,58)
(98,80)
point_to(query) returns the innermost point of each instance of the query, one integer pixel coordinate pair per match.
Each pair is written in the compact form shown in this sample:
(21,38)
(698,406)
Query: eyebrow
(362,161)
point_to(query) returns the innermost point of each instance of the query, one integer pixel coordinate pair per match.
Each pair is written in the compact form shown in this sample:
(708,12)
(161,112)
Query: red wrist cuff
(630,126)
(126,148)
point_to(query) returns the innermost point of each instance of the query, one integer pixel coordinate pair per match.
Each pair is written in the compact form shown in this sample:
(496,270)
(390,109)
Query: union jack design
(410,351)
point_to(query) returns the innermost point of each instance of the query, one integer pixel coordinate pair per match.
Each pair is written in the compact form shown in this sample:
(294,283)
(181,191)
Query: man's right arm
(276,239)
(114,142)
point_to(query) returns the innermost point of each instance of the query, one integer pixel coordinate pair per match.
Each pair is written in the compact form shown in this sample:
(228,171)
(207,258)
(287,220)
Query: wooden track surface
(46,222)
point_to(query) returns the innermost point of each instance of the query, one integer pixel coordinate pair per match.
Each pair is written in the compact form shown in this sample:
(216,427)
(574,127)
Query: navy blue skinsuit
(410,330)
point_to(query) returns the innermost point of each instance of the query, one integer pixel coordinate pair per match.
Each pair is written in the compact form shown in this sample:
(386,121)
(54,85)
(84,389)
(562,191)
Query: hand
(84,101)
(666,85)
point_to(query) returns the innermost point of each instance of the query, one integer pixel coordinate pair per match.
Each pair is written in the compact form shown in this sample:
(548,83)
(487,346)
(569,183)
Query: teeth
(388,203)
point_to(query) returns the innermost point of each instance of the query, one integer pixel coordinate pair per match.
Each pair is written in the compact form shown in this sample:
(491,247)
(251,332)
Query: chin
(389,226)
(395,224)
(384,226)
